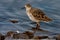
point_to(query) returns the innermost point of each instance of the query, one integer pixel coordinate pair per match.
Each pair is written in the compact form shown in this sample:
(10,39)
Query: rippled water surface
(11,9)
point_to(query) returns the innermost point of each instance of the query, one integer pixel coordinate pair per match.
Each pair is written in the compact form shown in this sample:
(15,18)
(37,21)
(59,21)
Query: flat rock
(20,36)
(40,37)
(30,34)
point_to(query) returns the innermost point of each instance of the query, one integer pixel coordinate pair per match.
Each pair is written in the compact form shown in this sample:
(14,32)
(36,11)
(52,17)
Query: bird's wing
(37,13)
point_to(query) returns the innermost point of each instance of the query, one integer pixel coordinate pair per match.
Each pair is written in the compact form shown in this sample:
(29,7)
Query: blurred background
(11,10)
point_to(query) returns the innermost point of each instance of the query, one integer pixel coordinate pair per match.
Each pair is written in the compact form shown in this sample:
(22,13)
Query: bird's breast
(31,17)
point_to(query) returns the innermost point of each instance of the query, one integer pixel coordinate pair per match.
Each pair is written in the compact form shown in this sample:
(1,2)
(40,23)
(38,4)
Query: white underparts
(32,17)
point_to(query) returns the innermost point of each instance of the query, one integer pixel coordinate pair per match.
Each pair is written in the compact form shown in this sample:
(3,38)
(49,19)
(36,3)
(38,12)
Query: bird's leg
(38,25)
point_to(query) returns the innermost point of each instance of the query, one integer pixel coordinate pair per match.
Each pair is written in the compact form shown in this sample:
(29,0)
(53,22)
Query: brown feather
(37,13)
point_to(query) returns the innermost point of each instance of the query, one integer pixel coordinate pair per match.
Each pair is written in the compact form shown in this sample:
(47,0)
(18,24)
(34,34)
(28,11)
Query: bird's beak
(23,8)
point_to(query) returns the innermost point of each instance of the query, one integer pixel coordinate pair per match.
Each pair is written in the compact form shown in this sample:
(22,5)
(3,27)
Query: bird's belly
(32,17)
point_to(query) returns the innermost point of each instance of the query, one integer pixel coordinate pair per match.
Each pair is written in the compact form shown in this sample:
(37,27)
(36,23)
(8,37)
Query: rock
(2,37)
(20,36)
(8,38)
(58,37)
(40,37)
(14,21)
(10,33)
(30,34)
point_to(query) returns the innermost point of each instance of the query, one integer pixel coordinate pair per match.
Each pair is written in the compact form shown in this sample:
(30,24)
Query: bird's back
(39,14)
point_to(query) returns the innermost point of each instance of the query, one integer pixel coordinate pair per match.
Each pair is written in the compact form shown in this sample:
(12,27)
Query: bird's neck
(27,9)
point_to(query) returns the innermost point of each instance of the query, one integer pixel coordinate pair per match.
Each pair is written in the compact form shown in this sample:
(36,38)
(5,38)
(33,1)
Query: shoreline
(11,35)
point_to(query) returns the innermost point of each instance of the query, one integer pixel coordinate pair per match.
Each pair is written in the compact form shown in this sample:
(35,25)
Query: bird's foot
(36,29)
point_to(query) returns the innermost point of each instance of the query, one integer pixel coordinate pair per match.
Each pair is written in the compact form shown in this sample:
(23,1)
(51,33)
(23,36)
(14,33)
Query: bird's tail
(47,19)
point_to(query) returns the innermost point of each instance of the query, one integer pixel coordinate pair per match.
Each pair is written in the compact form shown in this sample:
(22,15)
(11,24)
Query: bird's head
(28,6)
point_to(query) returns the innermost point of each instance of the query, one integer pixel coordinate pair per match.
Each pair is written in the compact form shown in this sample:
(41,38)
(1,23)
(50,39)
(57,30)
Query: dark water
(11,9)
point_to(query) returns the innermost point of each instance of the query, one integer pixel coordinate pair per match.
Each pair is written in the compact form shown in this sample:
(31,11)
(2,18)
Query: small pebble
(14,21)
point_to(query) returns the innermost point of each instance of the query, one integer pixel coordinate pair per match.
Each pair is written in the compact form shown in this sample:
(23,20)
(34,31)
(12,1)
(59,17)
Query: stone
(58,37)
(2,37)
(20,36)
(30,34)
(40,37)
(14,21)
(10,33)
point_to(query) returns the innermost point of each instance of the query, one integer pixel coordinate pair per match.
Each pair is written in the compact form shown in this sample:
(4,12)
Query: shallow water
(11,9)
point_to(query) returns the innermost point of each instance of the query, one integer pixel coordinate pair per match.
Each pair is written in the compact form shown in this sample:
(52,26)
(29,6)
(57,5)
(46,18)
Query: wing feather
(37,13)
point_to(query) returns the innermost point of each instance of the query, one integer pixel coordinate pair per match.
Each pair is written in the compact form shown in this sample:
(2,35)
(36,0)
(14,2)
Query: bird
(36,15)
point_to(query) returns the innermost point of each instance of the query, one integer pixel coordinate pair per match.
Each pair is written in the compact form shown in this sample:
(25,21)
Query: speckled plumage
(36,14)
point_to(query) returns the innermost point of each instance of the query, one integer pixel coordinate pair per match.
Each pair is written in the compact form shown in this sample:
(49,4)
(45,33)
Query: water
(11,9)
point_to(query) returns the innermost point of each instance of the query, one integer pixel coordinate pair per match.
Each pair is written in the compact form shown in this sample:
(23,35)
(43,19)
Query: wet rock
(8,38)
(14,21)
(58,37)
(40,37)
(20,36)
(30,34)
(2,37)
(25,35)
(10,33)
